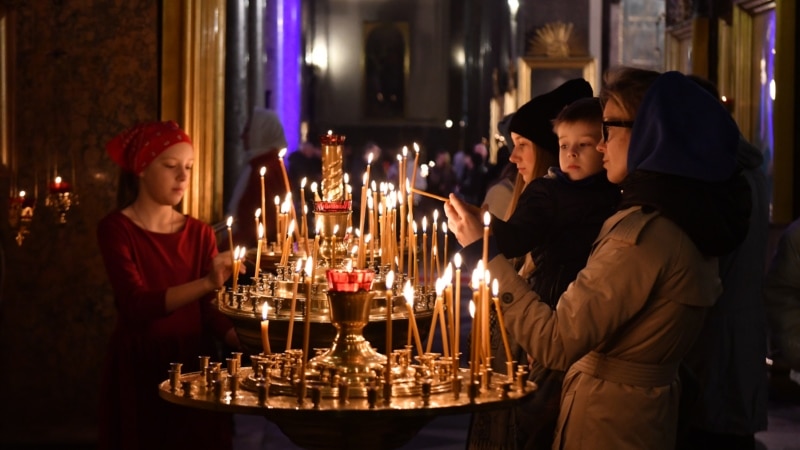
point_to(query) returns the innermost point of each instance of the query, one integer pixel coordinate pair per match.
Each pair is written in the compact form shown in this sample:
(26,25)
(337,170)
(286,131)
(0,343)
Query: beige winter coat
(620,330)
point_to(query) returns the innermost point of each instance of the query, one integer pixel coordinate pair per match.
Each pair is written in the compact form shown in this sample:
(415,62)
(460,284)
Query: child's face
(578,156)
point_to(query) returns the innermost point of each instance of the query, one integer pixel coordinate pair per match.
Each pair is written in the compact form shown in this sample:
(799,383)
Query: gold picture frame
(538,75)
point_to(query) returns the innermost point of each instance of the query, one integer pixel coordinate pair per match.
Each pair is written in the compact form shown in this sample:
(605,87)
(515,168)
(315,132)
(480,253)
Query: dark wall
(82,70)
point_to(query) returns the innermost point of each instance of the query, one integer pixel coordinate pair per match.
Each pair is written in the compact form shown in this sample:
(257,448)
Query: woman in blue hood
(623,326)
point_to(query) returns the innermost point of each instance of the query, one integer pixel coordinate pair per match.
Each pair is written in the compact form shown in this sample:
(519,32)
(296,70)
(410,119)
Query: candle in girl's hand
(265,329)
(408,293)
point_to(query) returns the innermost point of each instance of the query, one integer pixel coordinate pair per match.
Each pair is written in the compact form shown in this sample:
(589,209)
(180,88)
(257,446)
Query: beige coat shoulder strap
(626,225)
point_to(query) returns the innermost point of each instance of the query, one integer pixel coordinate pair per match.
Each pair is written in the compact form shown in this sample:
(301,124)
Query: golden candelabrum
(20,215)
(61,198)
(310,328)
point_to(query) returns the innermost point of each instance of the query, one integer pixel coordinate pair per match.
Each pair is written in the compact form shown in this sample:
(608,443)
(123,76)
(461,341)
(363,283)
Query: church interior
(440,73)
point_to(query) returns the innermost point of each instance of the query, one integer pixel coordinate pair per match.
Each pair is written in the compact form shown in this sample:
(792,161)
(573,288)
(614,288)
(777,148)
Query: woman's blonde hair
(626,86)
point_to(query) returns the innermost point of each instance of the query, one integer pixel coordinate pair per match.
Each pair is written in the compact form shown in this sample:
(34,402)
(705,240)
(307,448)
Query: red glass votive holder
(350,280)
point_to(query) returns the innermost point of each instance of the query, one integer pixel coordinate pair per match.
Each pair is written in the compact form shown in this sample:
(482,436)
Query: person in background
(263,140)
(164,270)
(622,328)
(728,361)
(441,180)
(782,299)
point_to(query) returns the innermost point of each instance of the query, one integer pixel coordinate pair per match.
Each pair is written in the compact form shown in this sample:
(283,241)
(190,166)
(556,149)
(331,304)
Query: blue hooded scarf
(682,163)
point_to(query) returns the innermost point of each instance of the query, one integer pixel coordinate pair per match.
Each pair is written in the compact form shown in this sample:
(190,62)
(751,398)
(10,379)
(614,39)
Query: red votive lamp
(59,186)
(350,280)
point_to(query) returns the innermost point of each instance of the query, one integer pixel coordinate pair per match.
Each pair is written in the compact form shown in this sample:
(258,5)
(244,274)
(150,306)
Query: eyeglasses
(615,123)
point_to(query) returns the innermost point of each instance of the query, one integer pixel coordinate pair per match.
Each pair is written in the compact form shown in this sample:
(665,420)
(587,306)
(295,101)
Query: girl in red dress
(164,270)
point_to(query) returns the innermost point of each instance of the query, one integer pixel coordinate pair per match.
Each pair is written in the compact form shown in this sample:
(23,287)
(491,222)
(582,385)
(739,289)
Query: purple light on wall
(286,85)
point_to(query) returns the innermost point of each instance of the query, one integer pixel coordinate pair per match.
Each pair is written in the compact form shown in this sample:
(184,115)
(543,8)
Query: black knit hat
(534,120)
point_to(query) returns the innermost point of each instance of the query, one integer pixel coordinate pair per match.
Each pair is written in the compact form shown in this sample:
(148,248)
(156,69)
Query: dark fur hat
(534,120)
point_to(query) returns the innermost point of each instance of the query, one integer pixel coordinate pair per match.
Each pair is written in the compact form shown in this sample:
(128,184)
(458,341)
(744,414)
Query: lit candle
(389,286)
(316,193)
(408,293)
(235,268)
(413,179)
(457,306)
(230,239)
(414,267)
(265,329)
(363,211)
(309,271)
(258,251)
(292,305)
(425,273)
(502,324)
(486,220)
(278,220)
(444,230)
(316,239)
(448,304)
(472,350)
(435,244)
(403,221)
(263,196)
(303,224)
(333,245)
(257,220)
(476,346)
(281,154)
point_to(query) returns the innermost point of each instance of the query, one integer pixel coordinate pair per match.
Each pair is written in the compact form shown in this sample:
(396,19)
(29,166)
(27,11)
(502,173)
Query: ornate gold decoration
(552,39)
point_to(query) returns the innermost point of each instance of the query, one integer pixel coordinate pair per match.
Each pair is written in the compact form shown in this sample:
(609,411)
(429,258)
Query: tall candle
(309,271)
(457,306)
(438,312)
(293,213)
(502,324)
(414,263)
(403,221)
(444,231)
(258,251)
(408,293)
(473,360)
(230,240)
(292,306)
(435,244)
(425,274)
(265,329)
(363,213)
(235,269)
(486,220)
(279,229)
(303,224)
(263,172)
(258,220)
(448,302)
(413,178)
(389,287)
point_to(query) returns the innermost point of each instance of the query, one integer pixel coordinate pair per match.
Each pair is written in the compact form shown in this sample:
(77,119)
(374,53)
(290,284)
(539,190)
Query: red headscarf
(135,148)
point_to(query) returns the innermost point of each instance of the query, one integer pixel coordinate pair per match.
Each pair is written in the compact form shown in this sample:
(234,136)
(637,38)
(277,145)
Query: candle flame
(263,171)
(416,147)
(305,209)
(476,278)
(319,225)
(346,178)
(448,274)
(457,260)
(389,280)
(282,153)
(364,179)
(314,186)
(58,180)
(439,286)
(487,218)
(260,231)
(405,151)
(424,224)
(414,226)
(258,213)
(303,183)
(21,194)
(230,221)
(369,158)
(264,311)
(335,229)
(309,266)
(472,309)
(495,287)
(444,227)
(373,186)
(367,238)
(290,229)
(348,265)
(479,267)
(408,293)
(435,216)
(330,132)
(277,200)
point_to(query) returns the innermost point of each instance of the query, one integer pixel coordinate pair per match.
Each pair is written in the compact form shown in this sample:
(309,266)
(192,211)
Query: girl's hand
(221,267)
(463,220)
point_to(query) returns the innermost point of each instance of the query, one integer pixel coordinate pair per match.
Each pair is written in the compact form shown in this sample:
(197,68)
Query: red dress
(141,265)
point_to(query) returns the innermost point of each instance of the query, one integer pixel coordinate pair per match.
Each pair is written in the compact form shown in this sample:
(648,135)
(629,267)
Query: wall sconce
(61,198)
(20,215)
